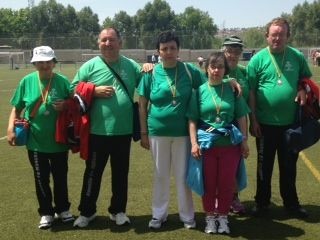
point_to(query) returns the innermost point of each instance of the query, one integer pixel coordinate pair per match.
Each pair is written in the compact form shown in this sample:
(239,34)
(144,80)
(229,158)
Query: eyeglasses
(219,66)
(233,51)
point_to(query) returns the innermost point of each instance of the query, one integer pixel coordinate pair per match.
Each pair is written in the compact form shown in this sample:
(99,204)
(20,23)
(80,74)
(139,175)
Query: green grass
(18,208)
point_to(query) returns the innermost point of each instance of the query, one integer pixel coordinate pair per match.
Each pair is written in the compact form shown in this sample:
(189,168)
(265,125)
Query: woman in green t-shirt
(40,95)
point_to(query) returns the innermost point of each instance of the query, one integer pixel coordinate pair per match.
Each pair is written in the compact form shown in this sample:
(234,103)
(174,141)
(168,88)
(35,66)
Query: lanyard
(173,87)
(218,107)
(279,72)
(44,93)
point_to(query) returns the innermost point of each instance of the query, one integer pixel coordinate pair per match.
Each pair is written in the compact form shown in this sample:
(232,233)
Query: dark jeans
(272,142)
(43,164)
(101,147)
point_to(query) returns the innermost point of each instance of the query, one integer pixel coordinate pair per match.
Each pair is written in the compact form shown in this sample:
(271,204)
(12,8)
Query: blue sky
(225,13)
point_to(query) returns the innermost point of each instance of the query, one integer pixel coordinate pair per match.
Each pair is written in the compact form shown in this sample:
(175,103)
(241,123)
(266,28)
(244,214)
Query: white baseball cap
(43,54)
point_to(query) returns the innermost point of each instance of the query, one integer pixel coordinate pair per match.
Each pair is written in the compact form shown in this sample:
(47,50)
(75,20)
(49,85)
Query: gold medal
(218,119)
(173,86)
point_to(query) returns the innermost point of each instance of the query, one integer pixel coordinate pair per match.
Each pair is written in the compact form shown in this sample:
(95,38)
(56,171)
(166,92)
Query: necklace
(279,72)
(44,92)
(218,107)
(173,87)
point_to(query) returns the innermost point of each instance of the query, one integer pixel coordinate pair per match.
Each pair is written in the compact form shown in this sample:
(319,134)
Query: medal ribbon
(44,92)
(218,107)
(279,72)
(173,88)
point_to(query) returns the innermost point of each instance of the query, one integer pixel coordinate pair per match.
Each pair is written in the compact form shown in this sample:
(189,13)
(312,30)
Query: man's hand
(104,91)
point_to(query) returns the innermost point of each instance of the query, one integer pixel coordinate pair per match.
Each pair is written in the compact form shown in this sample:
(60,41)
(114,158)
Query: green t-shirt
(164,117)
(43,125)
(110,116)
(275,100)
(239,73)
(202,107)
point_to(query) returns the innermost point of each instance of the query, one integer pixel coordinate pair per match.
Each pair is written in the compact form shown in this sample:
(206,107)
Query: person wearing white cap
(40,97)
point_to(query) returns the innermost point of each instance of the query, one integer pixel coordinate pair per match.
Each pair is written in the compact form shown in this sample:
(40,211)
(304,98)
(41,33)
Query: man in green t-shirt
(110,126)
(273,75)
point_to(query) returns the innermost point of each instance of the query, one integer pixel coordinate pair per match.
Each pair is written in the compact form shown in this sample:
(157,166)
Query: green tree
(254,37)
(88,28)
(152,19)
(198,24)
(305,24)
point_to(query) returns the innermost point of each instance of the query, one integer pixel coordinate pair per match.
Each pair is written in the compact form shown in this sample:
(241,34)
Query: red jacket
(76,114)
(312,106)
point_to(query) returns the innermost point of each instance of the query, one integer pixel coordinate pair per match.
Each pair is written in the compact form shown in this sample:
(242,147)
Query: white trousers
(170,154)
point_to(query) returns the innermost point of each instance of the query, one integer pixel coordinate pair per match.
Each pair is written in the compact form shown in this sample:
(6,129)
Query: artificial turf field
(18,205)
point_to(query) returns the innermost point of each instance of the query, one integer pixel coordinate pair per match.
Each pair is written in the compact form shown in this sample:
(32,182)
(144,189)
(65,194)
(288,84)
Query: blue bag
(21,129)
(195,175)
(241,175)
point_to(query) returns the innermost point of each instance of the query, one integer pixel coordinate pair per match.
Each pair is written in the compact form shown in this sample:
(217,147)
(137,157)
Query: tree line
(61,27)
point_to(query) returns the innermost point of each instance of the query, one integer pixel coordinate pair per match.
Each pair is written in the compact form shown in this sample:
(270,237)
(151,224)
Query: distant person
(153,58)
(273,74)
(41,95)
(111,124)
(164,96)
(201,60)
(253,52)
(317,58)
(213,109)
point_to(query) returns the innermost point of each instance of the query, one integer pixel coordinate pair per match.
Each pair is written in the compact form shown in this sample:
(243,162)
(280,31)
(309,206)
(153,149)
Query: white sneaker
(65,216)
(45,222)
(223,225)
(156,223)
(189,224)
(83,221)
(211,226)
(120,218)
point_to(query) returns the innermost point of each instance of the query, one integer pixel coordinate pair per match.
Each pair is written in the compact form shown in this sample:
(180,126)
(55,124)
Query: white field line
(311,167)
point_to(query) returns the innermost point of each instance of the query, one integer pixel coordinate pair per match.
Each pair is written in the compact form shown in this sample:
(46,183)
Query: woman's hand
(144,142)
(11,137)
(245,149)
(196,151)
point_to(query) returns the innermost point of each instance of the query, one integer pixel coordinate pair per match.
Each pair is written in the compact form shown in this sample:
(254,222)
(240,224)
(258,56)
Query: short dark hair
(167,36)
(278,22)
(214,57)
(111,28)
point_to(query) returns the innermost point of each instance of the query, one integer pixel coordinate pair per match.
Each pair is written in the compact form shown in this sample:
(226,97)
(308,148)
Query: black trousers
(43,164)
(100,148)
(271,143)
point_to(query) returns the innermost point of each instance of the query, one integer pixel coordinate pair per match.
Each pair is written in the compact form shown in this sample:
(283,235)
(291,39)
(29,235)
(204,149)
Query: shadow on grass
(277,224)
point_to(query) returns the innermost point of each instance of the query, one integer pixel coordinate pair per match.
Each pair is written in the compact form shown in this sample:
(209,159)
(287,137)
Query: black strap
(118,78)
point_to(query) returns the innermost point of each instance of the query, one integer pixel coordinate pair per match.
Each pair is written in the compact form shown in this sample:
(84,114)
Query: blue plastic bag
(195,175)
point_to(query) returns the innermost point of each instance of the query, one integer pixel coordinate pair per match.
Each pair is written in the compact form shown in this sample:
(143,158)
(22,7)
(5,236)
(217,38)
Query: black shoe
(297,212)
(259,211)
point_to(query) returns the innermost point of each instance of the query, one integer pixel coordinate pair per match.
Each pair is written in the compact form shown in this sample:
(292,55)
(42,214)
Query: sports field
(18,206)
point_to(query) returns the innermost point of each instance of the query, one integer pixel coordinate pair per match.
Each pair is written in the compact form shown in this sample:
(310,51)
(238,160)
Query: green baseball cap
(233,41)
